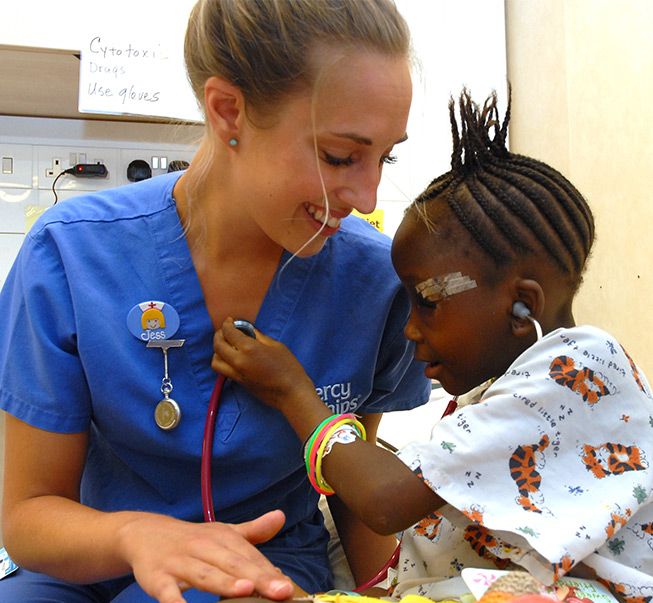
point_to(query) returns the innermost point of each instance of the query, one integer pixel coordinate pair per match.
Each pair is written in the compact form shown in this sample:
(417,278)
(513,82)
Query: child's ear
(528,296)
(224,107)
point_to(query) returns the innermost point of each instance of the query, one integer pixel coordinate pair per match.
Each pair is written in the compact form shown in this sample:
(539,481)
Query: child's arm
(377,486)
(366,551)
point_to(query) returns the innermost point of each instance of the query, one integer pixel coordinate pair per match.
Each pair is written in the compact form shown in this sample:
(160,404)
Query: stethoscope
(207,452)
(247,328)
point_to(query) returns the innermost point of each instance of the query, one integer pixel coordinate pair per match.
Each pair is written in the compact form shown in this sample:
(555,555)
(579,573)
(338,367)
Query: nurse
(304,102)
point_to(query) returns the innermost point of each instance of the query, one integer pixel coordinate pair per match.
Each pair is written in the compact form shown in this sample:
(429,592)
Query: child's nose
(411,331)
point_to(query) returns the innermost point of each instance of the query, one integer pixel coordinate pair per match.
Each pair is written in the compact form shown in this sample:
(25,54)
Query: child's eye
(389,159)
(422,302)
(337,161)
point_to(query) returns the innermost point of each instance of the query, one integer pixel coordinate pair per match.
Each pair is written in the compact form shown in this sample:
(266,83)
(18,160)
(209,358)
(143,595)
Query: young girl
(545,464)
(304,101)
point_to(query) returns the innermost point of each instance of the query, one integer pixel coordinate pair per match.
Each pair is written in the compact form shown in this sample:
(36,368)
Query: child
(545,466)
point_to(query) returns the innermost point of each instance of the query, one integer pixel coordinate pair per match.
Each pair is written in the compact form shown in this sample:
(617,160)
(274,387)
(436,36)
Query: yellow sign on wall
(375,218)
(32,213)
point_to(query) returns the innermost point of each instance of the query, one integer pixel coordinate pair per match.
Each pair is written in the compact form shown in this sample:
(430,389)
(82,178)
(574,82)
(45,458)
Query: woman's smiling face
(332,139)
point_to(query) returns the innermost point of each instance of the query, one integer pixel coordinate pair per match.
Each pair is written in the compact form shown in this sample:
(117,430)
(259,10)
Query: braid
(499,215)
(566,194)
(550,217)
(457,151)
(508,202)
(475,225)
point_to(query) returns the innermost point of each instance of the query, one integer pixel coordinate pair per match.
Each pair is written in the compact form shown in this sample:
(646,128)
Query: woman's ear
(528,300)
(224,107)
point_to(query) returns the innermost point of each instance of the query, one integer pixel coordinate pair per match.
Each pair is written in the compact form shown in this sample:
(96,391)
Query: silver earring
(233,142)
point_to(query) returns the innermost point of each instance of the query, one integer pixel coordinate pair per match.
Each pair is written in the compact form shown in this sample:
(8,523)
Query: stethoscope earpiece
(520,310)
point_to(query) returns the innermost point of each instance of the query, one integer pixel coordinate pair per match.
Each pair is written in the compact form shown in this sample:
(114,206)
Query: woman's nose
(361,191)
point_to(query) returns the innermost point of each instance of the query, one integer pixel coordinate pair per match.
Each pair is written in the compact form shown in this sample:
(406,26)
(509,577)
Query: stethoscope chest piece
(167,414)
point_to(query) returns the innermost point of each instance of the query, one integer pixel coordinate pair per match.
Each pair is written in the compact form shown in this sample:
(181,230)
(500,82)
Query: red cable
(207,449)
(382,573)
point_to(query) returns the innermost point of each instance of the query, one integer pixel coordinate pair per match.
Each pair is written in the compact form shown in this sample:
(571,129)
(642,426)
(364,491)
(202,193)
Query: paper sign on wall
(375,218)
(123,74)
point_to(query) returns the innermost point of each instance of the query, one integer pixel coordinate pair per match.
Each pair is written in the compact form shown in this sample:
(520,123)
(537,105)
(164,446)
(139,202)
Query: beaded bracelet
(319,445)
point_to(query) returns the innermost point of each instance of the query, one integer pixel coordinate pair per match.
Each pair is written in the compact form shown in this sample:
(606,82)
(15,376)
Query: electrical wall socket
(52,160)
(157,158)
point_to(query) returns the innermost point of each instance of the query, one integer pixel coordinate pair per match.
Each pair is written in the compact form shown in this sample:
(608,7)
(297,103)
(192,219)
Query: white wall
(67,24)
(582,74)
(448,59)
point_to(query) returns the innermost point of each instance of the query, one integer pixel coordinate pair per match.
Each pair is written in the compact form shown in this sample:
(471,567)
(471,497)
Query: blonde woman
(304,101)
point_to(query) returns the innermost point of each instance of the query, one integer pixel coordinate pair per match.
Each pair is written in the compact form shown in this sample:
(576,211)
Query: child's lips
(432,370)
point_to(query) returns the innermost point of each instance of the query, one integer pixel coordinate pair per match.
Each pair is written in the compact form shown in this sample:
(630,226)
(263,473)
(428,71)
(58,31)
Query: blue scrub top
(69,363)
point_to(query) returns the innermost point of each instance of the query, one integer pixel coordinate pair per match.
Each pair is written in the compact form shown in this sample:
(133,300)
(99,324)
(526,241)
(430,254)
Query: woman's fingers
(205,576)
(262,528)
(225,572)
(168,592)
(169,556)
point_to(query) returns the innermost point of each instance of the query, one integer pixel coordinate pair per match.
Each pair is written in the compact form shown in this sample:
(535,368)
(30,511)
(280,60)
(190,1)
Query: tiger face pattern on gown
(612,458)
(582,381)
(523,465)
(617,521)
(562,567)
(482,541)
(429,526)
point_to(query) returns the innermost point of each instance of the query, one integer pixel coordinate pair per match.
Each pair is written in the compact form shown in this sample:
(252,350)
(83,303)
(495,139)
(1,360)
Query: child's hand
(266,367)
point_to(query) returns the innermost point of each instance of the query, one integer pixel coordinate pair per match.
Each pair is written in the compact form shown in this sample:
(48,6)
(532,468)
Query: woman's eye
(389,159)
(337,161)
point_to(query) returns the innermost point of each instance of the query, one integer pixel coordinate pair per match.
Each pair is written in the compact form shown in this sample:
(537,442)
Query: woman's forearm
(64,538)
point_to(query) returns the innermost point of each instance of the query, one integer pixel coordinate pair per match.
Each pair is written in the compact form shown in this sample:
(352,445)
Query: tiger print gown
(550,466)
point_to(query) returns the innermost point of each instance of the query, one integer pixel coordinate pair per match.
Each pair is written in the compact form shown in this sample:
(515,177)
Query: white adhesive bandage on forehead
(436,289)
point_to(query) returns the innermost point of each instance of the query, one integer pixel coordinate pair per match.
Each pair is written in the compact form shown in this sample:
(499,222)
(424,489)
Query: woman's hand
(46,529)
(266,367)
(169,556)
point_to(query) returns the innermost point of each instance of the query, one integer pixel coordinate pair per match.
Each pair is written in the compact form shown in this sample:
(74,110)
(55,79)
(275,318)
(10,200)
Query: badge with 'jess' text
(152,321)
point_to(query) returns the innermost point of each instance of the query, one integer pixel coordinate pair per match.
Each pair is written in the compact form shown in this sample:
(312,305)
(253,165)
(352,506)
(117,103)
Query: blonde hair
(153,314)
(264,46)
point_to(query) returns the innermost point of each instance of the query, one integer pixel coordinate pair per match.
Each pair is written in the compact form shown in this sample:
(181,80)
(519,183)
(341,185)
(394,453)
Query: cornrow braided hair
(509,202)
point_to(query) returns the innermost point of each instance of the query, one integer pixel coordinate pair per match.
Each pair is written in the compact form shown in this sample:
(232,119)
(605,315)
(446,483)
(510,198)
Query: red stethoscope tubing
(382,574)
(207,449)
(207,494)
